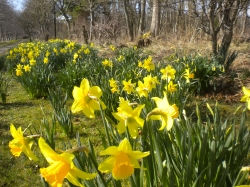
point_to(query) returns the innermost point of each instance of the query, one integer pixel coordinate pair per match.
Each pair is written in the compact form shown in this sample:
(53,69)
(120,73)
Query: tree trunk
(244,22)
(128,22)
(142,18)
(91,23)
(154,28)
(229,16)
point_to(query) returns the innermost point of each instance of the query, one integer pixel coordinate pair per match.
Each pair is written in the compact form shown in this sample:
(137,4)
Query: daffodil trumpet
(123,160)
(61,166)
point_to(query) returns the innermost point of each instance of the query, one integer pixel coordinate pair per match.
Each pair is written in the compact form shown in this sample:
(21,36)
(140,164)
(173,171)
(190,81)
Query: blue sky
(17,4)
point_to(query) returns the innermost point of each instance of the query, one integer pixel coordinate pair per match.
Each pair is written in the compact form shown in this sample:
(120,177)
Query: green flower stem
(96,167)
(240,178)
(105,123)
(152,152)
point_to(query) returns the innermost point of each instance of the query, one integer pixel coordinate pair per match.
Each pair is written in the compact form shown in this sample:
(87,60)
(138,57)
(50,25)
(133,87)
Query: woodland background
(120,21)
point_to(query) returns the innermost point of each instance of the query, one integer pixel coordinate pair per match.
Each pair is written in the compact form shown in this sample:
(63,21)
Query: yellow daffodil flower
(55,50)
(19,66)
(142,89)
(32,62)
(128,86)
(128,117)
(21,144)
(112,47)
(246,97)
(47,53)
(107,62)
(112,82)
(213,67)
(75,56)
(115,89)
(86,99)
(140,64)
(27,68)
(150,82)
(120,58)
(123,160)
(222,68)
(61,166)
(168,73)
(113,85)
(30,55)
(63,50)
(19,72)
(188,75)
(86,51)
(148,64)
(46,60)
(164,112)
(23,59)
(171,87)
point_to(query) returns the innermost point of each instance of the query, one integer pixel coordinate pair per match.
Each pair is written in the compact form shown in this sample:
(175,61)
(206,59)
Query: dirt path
(4,49)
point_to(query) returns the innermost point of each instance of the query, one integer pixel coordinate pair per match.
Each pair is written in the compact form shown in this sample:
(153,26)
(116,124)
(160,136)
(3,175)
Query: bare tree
(37,18)
(65,7)
(9,29)
(129,22)
(244,21)
(141,28)
(154,28)
(230,10)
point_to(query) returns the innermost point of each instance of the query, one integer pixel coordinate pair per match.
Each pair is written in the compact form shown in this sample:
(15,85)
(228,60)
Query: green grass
(2,44)
(23,111)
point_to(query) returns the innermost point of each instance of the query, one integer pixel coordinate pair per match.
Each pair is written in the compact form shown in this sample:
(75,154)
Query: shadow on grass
(7,106)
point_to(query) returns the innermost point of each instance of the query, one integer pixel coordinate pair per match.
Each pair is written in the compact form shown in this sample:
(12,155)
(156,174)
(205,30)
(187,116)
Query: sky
(17,4)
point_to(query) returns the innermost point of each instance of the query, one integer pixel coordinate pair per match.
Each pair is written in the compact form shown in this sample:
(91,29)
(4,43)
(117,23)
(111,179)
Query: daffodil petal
(107,165)
(134,162)
(14,132)
(118,116)
(89,112)
(14,148)
(138,154)
(170,122)
(81,174)
(94,104)
(112,150)
(121,127)
(95,91)
(77,106)
(103,105)
(133,130)
(85,87)
(137,110)
(125,146)
(155,117)
(72,179)
(244,98)
(163,124)
(246,91)
(248,104)
(50,155)
(139,121)
(27,151)
(55,173)
(77,93)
